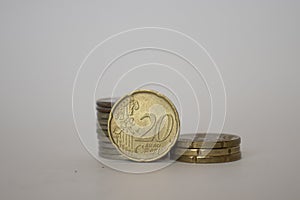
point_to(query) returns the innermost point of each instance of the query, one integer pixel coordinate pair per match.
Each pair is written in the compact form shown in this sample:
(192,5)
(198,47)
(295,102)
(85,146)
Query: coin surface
(144,125)
(212,159)
(210,140)
(106,102)
(205,152)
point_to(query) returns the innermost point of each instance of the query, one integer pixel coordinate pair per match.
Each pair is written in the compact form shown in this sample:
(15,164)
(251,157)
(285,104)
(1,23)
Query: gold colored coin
(144,125)
(205,152)
(212,159)
(210,140)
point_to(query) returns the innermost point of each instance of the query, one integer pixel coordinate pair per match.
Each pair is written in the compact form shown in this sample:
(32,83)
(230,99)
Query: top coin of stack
(207,148)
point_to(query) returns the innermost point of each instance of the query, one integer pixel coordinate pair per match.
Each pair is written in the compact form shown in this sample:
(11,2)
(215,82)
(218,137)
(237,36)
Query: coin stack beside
(106,148)
(207,148)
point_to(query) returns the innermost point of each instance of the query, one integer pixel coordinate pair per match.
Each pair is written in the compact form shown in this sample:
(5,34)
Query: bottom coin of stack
(106,148)
(207,148)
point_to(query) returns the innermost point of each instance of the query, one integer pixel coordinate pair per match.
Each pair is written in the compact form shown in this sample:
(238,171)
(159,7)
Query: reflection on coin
(144,125)
(212,159)
(211,140)
(106,102)
(205,152)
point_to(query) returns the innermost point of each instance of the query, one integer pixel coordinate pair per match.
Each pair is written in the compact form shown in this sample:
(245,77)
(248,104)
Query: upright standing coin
(144,125)
(210,140)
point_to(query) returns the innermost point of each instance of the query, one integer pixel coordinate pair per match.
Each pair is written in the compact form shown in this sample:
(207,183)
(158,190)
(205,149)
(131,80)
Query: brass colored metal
(205,152)
(212,159)
(144,125)
(210,140)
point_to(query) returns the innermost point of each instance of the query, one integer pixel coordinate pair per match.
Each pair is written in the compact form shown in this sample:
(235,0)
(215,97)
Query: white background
(254,43)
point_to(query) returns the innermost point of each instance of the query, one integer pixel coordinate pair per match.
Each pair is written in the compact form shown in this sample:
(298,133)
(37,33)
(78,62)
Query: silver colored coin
(112,157)
(103,110)
(108,144)
(103,137)
(102,116)
(102,131)
(106,102)
(108,151)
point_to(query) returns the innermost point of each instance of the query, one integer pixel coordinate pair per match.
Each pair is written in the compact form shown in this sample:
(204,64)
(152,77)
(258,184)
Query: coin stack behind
(207,148)
(106,148)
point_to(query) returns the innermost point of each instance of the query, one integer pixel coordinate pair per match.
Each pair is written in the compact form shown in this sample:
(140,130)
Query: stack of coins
(207,148)
(106,148)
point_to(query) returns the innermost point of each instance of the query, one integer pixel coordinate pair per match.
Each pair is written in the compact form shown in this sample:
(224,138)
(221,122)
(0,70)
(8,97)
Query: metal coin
(102,122)
(202,140)
(212,159)
(112,157)
(205,152)
(109,151)
(103,130)
(104,139)
(104,144)
(103,110)
(144,125)
(102,136)
(103,127)
(102,116)
(106,102)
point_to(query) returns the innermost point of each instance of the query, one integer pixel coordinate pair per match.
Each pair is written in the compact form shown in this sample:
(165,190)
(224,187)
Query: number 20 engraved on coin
(144,125)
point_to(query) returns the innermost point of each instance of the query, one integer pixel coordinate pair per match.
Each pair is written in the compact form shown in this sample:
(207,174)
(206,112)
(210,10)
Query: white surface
(255,44)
